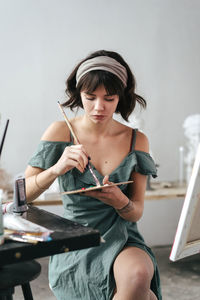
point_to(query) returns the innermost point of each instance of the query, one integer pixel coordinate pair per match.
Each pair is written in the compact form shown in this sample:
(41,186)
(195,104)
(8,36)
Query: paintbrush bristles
(68,123)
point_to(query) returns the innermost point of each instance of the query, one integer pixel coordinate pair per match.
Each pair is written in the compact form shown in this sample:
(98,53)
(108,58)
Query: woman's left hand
(111,195)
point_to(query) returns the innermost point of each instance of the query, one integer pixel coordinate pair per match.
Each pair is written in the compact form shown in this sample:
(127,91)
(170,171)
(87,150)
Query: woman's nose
(99,104)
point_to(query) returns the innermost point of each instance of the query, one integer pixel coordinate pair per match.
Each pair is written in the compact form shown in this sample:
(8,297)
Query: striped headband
(105,63)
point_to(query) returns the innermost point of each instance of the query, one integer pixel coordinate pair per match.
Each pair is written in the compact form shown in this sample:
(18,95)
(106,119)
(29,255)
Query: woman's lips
(99,117)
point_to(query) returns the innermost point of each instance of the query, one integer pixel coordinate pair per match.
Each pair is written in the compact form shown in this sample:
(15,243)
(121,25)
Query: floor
(180,280)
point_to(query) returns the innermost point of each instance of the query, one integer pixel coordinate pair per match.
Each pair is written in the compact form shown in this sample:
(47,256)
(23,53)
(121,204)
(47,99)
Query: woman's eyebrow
(88,93)
(91,94)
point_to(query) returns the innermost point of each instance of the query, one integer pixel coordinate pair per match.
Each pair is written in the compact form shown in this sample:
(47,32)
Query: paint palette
(93,188)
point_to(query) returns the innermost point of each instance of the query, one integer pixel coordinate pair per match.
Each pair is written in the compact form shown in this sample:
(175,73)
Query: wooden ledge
(160,191)
(38,202)
(166,191)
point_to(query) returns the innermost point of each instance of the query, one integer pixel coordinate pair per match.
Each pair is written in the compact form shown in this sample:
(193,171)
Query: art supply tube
(20,205)
(181,165)
(1,219)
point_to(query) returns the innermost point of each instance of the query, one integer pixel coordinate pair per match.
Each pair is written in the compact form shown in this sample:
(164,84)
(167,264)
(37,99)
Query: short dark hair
(112,84)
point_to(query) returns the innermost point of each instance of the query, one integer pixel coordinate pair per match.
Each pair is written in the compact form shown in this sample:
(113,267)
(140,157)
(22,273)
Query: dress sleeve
(145,164)
(47,154)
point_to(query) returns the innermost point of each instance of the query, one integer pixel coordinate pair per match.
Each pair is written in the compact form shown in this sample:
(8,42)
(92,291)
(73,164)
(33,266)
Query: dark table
(67,236)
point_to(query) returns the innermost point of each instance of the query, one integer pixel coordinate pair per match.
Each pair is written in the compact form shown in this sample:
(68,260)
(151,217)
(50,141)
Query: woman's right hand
(74,156)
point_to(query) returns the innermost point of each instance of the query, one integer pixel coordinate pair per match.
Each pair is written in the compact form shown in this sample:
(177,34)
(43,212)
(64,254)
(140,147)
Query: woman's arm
(129,208)
(75,156)
(133,210)
(37,181)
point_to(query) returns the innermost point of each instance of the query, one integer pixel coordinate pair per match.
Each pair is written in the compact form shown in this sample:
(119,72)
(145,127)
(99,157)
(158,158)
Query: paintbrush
(3,138)
(77,142)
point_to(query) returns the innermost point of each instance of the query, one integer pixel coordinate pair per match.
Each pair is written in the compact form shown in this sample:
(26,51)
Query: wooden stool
(18,274)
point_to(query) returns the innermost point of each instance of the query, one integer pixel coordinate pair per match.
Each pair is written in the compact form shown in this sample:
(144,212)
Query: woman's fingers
(78,154)
(73,156)
(106,180)
(77,158)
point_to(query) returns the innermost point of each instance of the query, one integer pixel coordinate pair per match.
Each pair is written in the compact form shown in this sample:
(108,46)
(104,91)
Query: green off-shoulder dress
(87,274)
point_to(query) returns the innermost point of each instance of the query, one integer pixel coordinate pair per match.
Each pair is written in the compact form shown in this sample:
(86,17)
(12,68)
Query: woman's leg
(133,271)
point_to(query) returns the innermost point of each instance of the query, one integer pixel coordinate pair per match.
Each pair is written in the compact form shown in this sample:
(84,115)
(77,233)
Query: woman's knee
(143,276)
(139,277)
(133,270)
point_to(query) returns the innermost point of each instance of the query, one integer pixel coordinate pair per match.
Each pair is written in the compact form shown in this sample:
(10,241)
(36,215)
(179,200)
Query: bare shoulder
(57,131)
(122,129)
(142,143)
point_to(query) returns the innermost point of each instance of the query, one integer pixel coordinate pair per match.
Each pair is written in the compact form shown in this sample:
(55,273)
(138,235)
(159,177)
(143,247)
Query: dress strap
(133,139)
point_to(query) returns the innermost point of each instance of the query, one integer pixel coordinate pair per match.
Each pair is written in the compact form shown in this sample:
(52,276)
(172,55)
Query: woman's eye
(109,99)
(88,98)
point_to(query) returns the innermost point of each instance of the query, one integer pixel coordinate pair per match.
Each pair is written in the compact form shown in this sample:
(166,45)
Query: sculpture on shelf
(191,127)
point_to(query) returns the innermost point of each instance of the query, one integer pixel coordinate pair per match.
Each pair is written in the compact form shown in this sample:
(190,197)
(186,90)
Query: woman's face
(99,106)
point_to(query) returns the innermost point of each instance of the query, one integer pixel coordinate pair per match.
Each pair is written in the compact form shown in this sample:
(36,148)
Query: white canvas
(187,238)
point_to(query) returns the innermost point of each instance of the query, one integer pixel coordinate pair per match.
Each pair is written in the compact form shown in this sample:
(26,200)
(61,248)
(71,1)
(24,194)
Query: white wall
(41,41)
(160,219)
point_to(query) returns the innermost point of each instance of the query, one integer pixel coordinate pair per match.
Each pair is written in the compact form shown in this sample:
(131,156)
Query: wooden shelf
(39,202)
(165,191)
(160,190)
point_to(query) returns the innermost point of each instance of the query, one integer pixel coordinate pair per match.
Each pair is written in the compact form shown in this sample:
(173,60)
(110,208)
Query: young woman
(122,268)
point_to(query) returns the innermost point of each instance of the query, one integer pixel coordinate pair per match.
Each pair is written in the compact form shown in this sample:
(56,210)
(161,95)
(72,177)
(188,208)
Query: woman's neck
(97,128)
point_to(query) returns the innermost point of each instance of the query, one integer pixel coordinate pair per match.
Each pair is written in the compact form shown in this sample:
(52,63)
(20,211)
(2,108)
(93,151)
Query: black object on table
(67,236)
(17,265)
